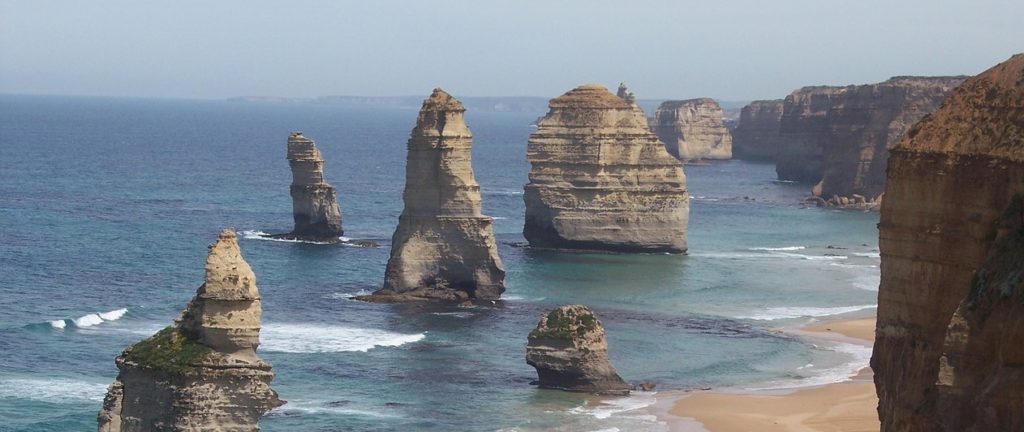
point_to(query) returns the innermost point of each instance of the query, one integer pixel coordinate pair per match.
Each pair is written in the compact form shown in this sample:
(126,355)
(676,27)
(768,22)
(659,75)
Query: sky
(729,50)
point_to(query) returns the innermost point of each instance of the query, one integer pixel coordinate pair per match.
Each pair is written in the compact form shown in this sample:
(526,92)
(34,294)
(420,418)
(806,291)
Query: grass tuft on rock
(561,324)
(170,350)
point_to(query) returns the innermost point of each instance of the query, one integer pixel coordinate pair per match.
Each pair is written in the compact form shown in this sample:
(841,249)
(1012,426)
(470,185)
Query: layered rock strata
(802,129)
(444,247)
(600,180)
(693,129)
(864,123)
(569,350)
(948,354)
(757,135)
(201,373)
(314,202)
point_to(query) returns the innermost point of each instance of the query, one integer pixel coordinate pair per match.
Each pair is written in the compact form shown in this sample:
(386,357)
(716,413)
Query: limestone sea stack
(201,373)
(600,180)
(693,129)
(757,135)
(948,351)
(802,129)
(864,123)
(444,247)
(314,202)
(569,350)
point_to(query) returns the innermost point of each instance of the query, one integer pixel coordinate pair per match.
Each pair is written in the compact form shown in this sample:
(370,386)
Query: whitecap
(868,254)
(59,324)
(313,338)
(113,315)
(609,407)
(51,389)
(783,248)
(340,295)
(92,319)
(260,235)
(789,312)
(860,357)
(812,257)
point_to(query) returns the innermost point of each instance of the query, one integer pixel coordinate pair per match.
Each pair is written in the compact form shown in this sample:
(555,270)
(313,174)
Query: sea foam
(783,248)
(260,235)
(609,407)
(89,320)
(51,389)
(312,338)
(779,313)
(859,356)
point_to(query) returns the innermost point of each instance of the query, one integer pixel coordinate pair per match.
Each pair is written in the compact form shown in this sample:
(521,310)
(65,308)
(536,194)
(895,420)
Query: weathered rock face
(600,180)
(443,248)
(693,129)
(314,202)
(865,122)
(569,350)
(757,135)
(948,263)
(802,129)
(202,373)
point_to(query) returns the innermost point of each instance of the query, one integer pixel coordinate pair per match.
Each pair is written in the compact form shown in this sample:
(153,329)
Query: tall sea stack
(201,373)
(314,202)
(569,350)
(693,129)
(802,129)
(757,135)
(949,351)
(600,180)
(443,248)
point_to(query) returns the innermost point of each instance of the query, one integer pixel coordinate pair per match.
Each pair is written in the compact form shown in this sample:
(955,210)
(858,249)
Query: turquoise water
(107,205)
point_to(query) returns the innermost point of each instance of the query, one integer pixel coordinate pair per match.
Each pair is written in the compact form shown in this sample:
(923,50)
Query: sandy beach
(841,407)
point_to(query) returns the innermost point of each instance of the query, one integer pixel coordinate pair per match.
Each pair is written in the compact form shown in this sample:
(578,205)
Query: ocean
(107,206)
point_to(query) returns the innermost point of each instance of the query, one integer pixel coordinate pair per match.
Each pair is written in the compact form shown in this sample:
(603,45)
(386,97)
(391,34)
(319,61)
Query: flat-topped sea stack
(444,247)
(314,202)
(600,180)
(757,135)
(863,124)
(201,373)
(802,130)
(949,349)
(569,350)
(693,129)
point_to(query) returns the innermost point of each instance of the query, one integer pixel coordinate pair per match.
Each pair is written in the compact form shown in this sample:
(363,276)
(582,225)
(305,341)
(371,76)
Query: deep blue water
(108,204)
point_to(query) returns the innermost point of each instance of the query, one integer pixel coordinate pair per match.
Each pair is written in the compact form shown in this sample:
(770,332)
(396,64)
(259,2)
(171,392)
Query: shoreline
(847,406)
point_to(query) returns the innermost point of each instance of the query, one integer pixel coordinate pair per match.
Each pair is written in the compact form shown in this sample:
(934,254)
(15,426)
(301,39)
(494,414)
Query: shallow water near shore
(107,205)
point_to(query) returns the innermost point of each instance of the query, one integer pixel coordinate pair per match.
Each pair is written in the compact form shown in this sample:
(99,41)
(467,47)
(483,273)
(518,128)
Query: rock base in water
(569,351)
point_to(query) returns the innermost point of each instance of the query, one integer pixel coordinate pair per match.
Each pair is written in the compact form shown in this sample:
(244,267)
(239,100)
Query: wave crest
(312,338)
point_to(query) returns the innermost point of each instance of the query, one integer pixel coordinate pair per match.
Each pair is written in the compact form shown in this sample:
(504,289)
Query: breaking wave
(89,320)
(789,312)
(859,355)
(783,248)
(260,235)
(312,338)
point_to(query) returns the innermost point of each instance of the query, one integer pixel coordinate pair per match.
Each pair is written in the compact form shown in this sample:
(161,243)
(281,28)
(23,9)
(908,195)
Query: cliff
(693,129)
(201,373)
(600,180)
(948,353)
(802,129)
(757,135)
(444,247)
(314,202)
(865,122)
(569,350)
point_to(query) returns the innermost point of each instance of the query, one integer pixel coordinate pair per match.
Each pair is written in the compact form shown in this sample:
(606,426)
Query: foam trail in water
(92,319)
(783,248)
(51,390)
(260,235)
(778,313)
(609,407)
(860,356)
(868,254)
(312,338)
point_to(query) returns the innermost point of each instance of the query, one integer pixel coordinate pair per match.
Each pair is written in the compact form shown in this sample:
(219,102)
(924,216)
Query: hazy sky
(731,50)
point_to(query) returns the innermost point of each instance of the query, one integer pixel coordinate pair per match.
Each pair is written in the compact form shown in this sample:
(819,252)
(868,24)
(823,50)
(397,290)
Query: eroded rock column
(314,201)
(693,129)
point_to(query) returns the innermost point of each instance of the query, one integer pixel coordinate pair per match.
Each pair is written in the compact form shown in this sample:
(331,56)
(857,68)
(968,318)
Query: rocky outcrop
(600,180)
(202,373)
(693,129)
(802,129)
(864,123)
(569,350)
(314,202)
(443,248)
(948,355)
(757,135)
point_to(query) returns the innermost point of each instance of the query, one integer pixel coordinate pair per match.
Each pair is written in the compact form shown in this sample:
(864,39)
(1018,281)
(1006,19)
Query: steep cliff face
(757,135)
(950,179)
(569,350)
(693,129)
(202,373)
(865,122)
(443,248)
(314,202)
(600,180)
(802,129)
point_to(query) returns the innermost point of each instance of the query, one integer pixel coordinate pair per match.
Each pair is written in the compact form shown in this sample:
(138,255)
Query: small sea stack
(757,135)
(444,247)
(202,373)
(693,129)
(569,350)
(314,201)
(601,180)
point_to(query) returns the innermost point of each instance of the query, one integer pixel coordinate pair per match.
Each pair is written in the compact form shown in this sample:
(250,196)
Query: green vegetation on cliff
(561,323)
(170,350)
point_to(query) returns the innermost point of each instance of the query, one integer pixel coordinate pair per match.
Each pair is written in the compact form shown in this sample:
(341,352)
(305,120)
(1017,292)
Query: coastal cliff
(802,129)
(864,123)
(444,247)
(600,180)
(948,351)
(569,350)
(314,201)
(201,373)
(693,129)
(757,135)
